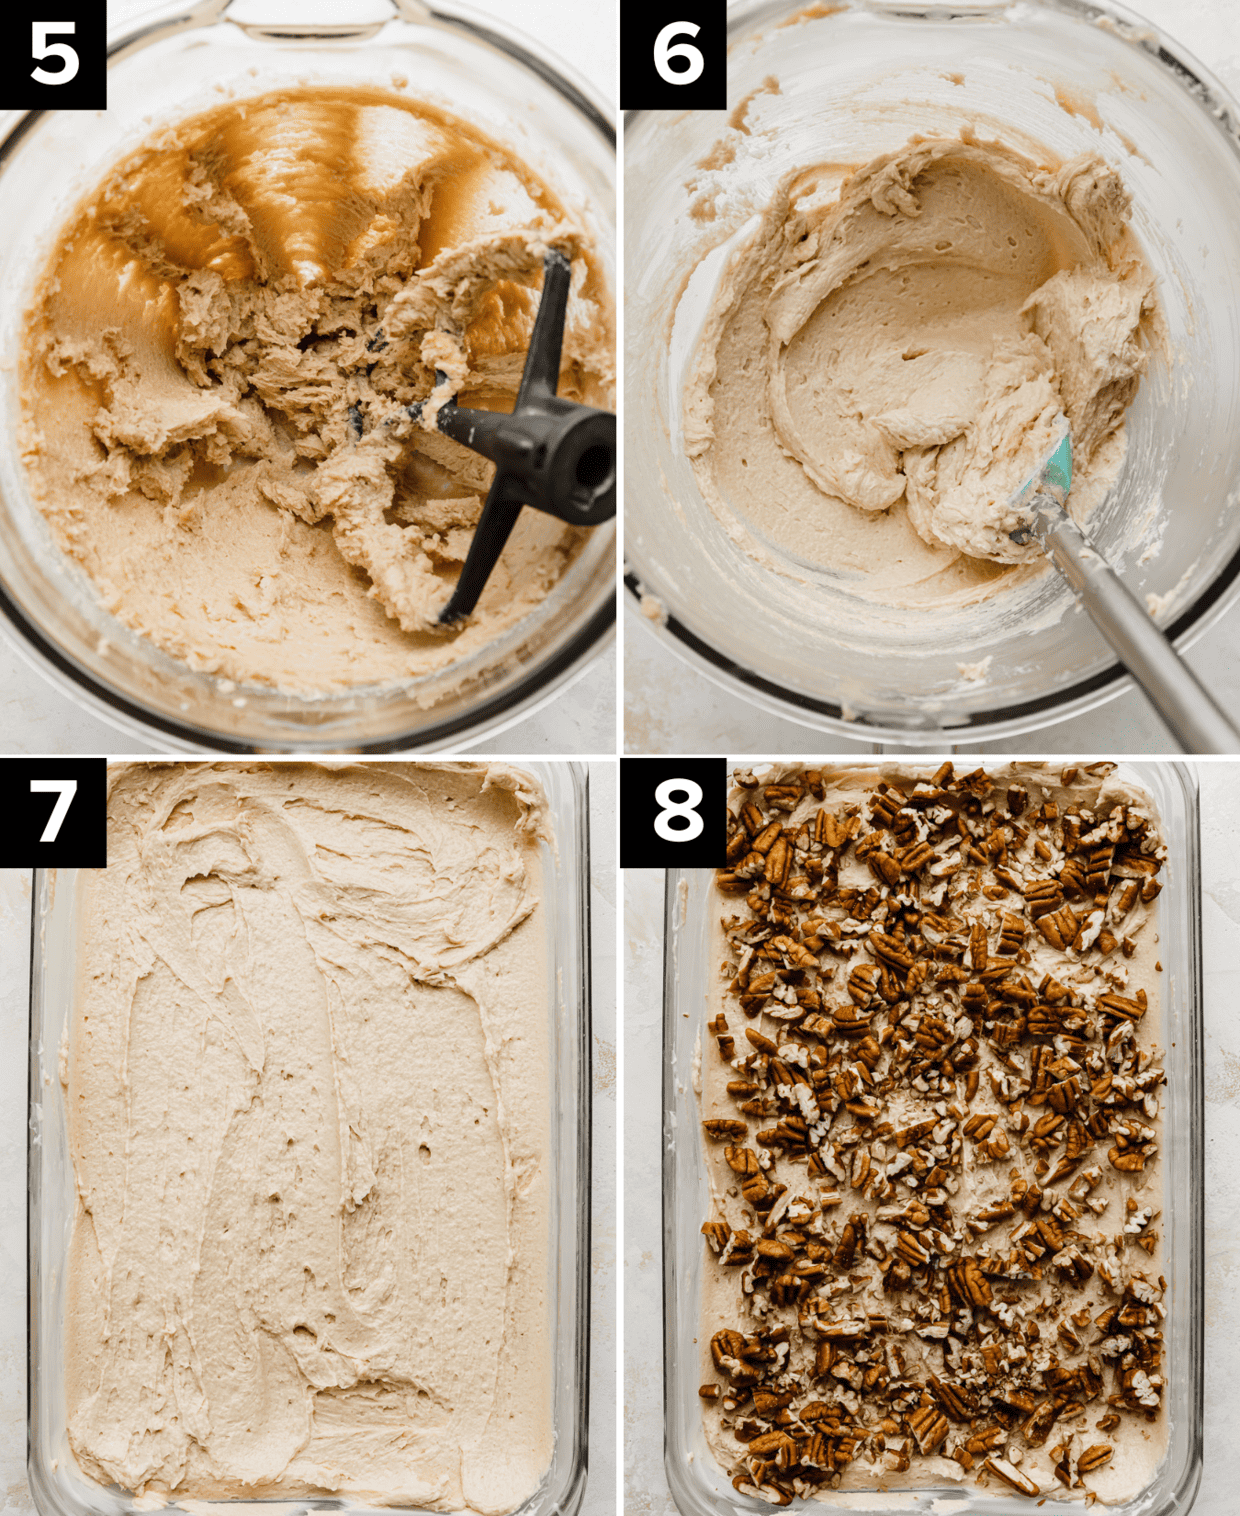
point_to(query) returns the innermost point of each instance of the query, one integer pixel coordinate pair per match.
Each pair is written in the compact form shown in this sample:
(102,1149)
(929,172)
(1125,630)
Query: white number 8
(663,51)
(662,823)
(40,47)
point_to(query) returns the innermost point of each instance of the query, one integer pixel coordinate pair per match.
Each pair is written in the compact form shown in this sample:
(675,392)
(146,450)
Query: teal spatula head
(1057,470)
(1053,477)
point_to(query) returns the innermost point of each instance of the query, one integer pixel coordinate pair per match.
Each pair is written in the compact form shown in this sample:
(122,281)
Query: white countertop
(646,1489)
(670,707)
(600,1497)
(37,716)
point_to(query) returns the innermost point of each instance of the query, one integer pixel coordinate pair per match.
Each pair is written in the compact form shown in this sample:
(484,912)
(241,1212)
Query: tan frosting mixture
(306,1079)
(884,360)
(216,363)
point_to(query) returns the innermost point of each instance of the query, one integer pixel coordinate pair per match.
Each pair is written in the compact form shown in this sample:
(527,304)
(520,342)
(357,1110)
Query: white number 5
(67,789)
(40,47)
(664,50)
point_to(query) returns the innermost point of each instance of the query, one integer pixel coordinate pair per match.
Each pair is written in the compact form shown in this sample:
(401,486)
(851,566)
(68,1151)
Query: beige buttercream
(306,1078)
(886,355)
(217,362)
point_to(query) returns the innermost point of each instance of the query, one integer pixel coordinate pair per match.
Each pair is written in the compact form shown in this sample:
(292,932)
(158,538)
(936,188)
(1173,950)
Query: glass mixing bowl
(856,80)
(169,65)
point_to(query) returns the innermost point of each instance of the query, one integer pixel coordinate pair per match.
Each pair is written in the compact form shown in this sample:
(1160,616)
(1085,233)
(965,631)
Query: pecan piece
(1060,928)
(853,1238)
(977,947)
(779,862)
(726,1348)
(717,1234)
(742,1161)
(890,950)
(929,1426)
(1012,1476)
(968,1283)
(766,839)
(1038,1428)
(958,1402)
(915,856)
(1121,1007)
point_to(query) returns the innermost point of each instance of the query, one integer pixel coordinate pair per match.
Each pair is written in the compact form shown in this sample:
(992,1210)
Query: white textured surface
(671,708)
(645,1485)
(36,716)
(600,1497)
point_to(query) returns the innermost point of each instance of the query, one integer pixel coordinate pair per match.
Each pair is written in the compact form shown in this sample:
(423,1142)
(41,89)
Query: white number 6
(663,51)
(40,47)
(684,809)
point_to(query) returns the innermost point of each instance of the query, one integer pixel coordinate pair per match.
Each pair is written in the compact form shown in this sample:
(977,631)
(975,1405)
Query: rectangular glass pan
(58,1485)
(691,952)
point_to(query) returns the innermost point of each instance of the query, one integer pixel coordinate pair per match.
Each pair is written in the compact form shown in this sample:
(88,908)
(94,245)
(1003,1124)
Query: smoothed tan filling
(306,1080)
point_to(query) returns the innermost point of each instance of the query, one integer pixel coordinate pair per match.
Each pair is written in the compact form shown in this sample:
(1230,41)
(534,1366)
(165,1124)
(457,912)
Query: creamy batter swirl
(885,359)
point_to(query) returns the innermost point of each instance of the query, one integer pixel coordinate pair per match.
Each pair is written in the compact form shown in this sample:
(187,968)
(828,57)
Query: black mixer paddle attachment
(551,453)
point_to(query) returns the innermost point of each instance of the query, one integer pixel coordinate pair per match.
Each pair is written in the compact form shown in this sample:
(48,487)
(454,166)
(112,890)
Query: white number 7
(40,47)
(67,788)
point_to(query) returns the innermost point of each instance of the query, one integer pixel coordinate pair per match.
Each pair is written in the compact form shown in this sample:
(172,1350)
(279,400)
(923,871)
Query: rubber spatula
(1172,687)
(550,453)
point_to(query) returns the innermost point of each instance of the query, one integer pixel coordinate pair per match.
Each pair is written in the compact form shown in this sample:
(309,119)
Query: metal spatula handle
(1173,689)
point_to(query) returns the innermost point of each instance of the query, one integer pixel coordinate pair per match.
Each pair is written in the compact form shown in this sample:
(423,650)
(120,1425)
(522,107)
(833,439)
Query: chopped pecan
(1012,1476)
(884,866)
(717,1234)
(743,1161)
(958,1402)
(929,1426)
(968,1283)
(1060,928)
(1121,1006)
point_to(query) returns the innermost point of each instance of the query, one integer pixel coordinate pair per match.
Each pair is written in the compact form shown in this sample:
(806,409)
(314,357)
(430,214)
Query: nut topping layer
(936,1100)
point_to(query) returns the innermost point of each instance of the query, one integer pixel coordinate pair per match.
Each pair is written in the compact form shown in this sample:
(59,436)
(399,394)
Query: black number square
(57,813)
(672,811)
(55,56)
(674,57)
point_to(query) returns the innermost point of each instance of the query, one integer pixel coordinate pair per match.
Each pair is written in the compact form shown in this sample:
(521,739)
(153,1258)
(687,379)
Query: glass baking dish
(57,1483)
(691,952)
